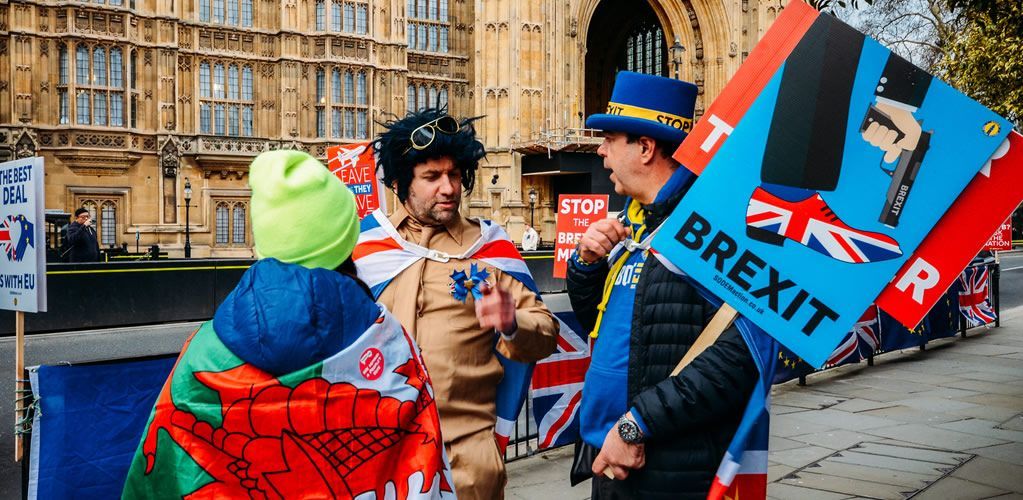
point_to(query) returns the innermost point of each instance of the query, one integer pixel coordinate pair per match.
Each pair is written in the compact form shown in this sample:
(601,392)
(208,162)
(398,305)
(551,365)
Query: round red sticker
(371,363)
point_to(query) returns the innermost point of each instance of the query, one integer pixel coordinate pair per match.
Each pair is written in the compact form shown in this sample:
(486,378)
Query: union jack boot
(811,223)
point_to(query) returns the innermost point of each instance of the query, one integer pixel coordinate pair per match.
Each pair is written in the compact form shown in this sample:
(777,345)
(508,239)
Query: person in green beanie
(301,386)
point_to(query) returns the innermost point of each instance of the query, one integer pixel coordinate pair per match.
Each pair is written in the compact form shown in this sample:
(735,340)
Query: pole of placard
(19,384)
(995,278)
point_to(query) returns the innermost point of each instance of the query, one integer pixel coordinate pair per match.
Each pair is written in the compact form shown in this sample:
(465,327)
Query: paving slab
(930,436)
(799,457)
(779,491)
(988,387)
(934,404)
(834,440)
(853,457)
(1011,402)
(843,420)
(894,384)
(908,480)
(912,415)
(879,395)
(987,412)
(986,376)
(777,409)
(986,349)
(902,450)
(805,399)
(786,426)
(996,473)
(1008,452)
(953,488)
(986,428)
(842,485)
(778,443)
(778,471)
(858,404)
(1014,423)
(544,475)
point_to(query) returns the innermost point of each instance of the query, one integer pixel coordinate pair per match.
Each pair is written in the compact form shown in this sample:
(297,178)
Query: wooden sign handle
(19,385)
(718,324)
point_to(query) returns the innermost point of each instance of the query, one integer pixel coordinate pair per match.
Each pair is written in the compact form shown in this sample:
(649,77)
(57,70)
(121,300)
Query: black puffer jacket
(691,418)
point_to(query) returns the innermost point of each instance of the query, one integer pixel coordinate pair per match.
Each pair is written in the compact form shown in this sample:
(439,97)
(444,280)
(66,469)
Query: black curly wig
(399,159)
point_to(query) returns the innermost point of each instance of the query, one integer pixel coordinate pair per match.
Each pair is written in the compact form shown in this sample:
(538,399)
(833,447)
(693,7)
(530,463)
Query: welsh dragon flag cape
(360,424)
(382,254)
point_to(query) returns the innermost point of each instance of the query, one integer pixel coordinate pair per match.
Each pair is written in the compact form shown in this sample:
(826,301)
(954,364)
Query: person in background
(530,239)
(81,238)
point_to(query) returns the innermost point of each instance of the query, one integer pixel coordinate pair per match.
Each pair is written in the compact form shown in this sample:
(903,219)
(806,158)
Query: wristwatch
(629,430)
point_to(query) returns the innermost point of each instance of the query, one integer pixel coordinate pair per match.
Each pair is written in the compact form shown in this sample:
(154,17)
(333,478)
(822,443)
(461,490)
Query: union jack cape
(382,254)
(973,298)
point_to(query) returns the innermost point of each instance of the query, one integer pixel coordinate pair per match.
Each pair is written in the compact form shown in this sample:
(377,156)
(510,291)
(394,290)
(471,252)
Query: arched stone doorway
(622,35)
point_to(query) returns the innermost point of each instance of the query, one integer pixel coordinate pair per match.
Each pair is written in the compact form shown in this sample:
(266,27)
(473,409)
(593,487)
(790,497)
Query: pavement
(942,423)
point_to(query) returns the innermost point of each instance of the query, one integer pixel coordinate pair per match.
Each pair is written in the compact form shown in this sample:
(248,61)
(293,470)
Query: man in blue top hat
(661,436)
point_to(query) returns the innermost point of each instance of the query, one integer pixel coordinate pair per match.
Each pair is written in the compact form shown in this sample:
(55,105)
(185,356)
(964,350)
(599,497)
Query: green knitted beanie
(301,213)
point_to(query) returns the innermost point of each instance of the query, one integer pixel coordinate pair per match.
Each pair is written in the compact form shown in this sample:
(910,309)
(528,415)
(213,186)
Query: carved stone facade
(125,99)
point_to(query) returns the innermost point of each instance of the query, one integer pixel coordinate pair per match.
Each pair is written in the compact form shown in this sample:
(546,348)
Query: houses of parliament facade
(127,100)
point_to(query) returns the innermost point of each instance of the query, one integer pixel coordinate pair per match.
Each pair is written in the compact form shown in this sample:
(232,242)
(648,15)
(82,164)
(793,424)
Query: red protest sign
(356,166)
(575,213)
(982,207)
(1002,239)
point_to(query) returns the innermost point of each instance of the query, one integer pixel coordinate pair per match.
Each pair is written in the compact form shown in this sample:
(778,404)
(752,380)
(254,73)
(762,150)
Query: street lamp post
(678,51)
(188,203)
(532,204)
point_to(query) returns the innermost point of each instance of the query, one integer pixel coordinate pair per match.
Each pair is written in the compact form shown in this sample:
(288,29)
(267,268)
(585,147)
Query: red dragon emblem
(317,440)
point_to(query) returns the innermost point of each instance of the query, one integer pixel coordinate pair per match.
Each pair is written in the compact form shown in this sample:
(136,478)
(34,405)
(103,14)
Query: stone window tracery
(428,25)
(98,88)
(230,223)
(426,96)
(345,99)
(226,12)
(226,99)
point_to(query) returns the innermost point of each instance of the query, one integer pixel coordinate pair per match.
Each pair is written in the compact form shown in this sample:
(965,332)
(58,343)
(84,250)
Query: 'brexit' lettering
(784,296)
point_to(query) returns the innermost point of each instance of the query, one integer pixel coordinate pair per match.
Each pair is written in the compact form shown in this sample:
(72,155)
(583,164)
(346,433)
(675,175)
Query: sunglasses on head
(423,135)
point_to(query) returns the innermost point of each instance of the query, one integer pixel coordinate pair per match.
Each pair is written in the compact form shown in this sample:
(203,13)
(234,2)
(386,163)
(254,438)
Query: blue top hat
(648,105)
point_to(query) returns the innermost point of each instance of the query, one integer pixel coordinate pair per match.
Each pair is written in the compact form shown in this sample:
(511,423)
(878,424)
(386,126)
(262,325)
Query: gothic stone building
(127,100)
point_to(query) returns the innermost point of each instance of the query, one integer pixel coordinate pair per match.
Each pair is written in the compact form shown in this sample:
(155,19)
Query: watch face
(628,431)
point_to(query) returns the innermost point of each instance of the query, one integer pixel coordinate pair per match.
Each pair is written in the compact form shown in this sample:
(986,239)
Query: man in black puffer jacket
(661,437)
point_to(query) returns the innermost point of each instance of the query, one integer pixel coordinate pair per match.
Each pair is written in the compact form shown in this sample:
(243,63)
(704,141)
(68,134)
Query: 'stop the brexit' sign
(22,236)
(356,166)
(575,214)
(825,161)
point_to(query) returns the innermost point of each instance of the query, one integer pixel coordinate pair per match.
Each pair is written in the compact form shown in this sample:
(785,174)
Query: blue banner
(89,422)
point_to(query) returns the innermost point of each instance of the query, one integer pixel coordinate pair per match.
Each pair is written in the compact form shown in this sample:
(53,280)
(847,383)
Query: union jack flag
(973,298)
(862,340)
(558,383)
(812,223)
(15,247)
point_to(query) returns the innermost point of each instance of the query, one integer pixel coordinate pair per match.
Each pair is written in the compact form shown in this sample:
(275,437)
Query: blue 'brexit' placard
(814,194)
